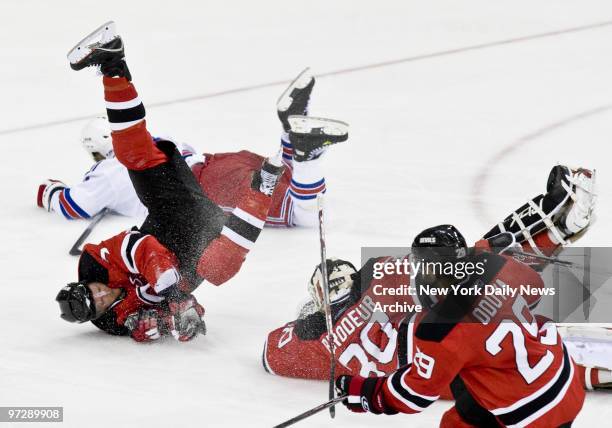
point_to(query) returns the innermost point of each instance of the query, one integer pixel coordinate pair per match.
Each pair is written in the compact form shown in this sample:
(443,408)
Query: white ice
(460,138)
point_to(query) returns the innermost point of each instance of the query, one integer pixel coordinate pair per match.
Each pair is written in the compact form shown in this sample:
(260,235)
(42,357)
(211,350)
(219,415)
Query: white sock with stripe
(307,182)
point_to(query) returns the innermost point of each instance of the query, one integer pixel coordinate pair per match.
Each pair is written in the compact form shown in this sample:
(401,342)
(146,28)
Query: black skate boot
(266,179)
(294,101)
(311,135)
(102,48)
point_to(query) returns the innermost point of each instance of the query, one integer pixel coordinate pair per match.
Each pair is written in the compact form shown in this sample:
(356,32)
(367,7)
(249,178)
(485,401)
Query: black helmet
(76,303)
(440,243)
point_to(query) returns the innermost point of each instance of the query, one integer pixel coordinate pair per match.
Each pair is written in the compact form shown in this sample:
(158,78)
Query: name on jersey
(350,322)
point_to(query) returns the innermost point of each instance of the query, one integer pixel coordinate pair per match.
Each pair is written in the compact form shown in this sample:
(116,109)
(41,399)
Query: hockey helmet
(76,303)
(339,279)
(440,243)
(96,138)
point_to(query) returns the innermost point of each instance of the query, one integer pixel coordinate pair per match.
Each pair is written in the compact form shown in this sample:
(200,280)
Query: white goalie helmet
(339,280)
(96,138)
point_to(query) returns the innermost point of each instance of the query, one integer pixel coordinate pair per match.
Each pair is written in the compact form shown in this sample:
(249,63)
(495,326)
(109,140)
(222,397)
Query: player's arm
(131,316)
(547,222)
(412,388)
(286,354)
(82,200)
(134,253)
(295,350)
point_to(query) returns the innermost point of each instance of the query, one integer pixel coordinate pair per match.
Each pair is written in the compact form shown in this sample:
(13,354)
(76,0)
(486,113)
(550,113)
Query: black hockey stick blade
(313,411)
(75,250)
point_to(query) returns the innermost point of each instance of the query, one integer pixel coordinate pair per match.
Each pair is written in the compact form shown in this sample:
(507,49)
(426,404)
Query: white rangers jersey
(107,185)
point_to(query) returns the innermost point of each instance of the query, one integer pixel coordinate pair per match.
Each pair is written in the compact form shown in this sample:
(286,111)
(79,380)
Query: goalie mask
(96,138)
(76,303)
(340,281)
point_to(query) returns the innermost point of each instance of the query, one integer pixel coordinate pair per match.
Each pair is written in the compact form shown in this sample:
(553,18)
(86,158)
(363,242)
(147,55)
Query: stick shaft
(313,411)
(554,260)
(75,251)
(327,305)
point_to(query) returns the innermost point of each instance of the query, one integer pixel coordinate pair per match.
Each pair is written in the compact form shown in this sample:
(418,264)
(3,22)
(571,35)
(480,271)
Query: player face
(103,295)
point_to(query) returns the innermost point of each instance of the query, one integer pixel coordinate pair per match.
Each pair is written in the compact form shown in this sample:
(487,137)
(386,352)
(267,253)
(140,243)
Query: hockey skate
(311,135)
(102,48)
(266,179)
(294,101)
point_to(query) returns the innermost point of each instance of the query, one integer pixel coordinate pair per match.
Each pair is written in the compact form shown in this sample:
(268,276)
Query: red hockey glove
(46,191)
(143,325)
(363,394)
(184,319)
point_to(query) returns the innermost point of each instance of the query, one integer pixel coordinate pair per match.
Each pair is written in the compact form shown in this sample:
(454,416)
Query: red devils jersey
(364,344)
(224,177)
(132,261)
(516,368)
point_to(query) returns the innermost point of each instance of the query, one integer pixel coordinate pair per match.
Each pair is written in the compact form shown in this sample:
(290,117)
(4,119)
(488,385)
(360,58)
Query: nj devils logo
(136,280)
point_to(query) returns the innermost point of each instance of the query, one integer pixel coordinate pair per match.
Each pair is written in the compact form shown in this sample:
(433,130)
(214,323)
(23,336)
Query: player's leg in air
(549,221)
(304,141)
(180,216)
(223,176)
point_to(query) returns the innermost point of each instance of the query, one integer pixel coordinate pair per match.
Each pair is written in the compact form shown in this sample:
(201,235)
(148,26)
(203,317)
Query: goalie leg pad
(564,210)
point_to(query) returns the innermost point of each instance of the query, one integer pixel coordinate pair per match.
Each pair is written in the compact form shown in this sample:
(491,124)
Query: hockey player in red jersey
(222,176)
(379,345)
(186,238)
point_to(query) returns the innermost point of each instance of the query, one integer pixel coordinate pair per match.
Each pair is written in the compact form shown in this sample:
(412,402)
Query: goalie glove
(46,191)
(363,394)
(184,319)
(144,325)
(340,281)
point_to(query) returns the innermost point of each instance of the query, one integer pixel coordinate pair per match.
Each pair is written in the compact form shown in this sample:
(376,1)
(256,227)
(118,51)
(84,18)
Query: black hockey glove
(363,394)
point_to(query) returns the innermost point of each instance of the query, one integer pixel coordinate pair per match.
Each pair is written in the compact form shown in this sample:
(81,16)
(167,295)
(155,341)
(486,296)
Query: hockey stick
(564,263)
(553,260)
(75,250)
(327,307)
(308,413)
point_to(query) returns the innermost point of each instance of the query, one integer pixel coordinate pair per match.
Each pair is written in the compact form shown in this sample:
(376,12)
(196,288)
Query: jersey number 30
(369,349)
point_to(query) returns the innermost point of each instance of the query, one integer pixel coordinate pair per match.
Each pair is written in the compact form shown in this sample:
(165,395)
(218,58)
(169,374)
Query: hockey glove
(46,191)
(363,394)
(184,319)
(143,325)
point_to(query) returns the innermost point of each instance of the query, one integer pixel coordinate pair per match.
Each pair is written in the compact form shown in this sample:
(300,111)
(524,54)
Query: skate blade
(103,34)
(305,125)
(300,82)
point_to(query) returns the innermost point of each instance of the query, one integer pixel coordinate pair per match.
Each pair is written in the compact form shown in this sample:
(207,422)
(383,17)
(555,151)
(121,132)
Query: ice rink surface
(439,134)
